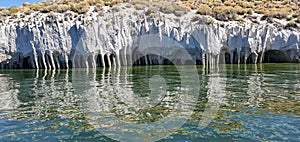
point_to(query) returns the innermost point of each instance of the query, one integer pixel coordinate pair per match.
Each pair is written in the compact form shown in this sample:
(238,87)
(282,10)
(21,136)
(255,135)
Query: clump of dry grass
(204,9)
(4,12)
(223,10)
(26,4)
(232,9)
(277,13)
(139,4)
(176,8)
(81,7)
(61,6)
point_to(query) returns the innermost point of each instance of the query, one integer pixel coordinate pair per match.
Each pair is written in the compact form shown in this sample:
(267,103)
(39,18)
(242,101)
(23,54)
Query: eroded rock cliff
(56,40)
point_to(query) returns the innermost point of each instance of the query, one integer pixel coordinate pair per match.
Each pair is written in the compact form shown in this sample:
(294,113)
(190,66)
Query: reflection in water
(234,102)
(146,103)
(8,93)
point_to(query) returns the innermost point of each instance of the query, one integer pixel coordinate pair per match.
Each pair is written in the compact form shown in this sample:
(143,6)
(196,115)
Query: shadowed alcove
(27,63)
(275,56)
(152,59)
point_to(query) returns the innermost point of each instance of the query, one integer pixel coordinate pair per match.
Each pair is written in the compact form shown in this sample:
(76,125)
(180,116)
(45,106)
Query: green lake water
(152,103)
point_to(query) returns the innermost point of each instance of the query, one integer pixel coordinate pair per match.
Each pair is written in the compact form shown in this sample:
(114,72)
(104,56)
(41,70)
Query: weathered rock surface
(57,40)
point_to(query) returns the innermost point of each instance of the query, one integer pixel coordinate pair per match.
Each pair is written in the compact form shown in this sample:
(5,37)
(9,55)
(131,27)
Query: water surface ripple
(255,103)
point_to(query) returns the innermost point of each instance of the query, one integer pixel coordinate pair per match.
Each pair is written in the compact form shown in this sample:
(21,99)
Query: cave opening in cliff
(235,58)
(168,62)
(106,60)
(227,58)
(152,59)
(27,63)
(143,60)
(99,60)
(275,56)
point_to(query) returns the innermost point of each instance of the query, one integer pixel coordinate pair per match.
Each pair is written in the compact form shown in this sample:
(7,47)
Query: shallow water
(150,103)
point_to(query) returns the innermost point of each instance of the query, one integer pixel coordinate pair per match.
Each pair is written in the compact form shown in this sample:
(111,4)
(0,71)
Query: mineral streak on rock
(60,40)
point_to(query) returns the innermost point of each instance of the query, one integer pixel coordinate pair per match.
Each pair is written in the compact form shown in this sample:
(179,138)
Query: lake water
(149,103)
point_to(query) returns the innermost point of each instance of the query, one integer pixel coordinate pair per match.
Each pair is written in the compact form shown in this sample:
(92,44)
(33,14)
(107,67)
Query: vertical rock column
(43,58)
(66,60)
(108,60)
(57,61)
(52,60)
(102,60)
(118,58)
(35,56)
(94,57)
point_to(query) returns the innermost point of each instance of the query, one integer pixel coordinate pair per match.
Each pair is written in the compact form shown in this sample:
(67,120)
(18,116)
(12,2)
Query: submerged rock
(62,40)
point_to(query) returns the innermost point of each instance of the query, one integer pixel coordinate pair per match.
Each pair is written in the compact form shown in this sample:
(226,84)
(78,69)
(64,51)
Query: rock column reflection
(123,105)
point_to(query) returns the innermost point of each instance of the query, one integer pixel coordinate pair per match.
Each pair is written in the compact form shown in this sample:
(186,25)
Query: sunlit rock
(54,40)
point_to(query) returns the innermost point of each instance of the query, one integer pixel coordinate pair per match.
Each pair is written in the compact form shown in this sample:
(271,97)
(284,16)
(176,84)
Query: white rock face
(64,40)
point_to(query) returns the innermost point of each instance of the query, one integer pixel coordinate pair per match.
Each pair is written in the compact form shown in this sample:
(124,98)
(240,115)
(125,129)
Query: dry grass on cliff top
(229,9)
(223,10)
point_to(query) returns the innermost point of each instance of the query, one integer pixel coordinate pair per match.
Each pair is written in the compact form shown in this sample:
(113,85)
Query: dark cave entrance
(227,58)
(99,60)
(152,59)
(27,63)
(235,57)
(106,60)
(275,56)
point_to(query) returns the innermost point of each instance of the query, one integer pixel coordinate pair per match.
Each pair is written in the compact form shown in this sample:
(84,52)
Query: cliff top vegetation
(222,10)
